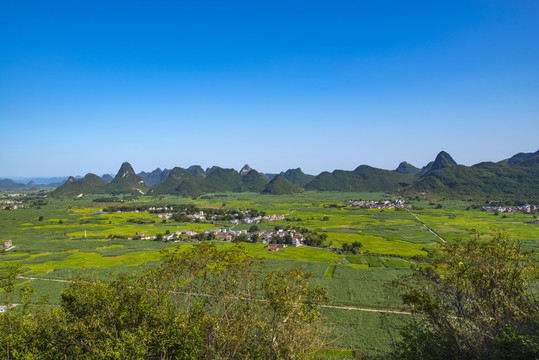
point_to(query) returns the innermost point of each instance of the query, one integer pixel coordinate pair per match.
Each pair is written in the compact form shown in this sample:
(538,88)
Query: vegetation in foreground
(474,303)
(198,304)
(56,239)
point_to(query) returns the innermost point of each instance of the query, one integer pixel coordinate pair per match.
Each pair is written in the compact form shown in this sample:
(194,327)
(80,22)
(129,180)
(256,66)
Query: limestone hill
(127,181)
(89,184)
(297,177)
(280,186)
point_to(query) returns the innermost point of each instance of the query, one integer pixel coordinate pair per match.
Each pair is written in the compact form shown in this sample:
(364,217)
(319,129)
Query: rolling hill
(297,177)
(89,184)
(363,178)
(180,182)
(280,186)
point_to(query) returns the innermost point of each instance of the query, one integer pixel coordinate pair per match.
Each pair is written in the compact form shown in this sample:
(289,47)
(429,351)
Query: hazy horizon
(276,85)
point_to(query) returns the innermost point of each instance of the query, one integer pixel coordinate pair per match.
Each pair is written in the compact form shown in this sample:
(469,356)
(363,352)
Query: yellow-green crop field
(65,237)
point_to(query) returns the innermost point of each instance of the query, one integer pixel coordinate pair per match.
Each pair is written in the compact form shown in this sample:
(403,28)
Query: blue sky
(319,85)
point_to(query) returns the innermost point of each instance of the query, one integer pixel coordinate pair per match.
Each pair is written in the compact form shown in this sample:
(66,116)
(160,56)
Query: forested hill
(515,178)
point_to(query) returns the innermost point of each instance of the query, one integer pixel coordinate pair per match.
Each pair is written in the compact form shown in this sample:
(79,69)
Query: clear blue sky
(321,85)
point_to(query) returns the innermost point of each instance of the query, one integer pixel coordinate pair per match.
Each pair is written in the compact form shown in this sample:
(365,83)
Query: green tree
(354,248)
(474,302)
(200,303)
(241,238)
(21,321)
(254,238)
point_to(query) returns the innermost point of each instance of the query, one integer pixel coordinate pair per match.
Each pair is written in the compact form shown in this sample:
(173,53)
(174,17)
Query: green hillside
(518,158)
(126,181)
(297,177)
(363,178)
(222,180)
(197,171)
(89,184)
(280,186)
(253,181)
(519,182)
(406,168)
(443,160)
(8,184)
(155,177)
(180,182)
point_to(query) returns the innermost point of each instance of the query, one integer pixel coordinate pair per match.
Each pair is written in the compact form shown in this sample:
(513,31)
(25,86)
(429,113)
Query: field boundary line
(426,227)
(46,279)
(354,308)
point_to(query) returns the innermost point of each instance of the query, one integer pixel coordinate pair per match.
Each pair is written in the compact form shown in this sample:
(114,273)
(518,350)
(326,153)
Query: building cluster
(257,219)
(386,204)
(199,216)
(523,209)
(166,208)
(7,244)
(10,204)
(246,220)
(264,236)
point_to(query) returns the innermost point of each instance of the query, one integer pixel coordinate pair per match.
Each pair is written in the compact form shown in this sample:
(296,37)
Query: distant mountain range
(516,178)
(10,185)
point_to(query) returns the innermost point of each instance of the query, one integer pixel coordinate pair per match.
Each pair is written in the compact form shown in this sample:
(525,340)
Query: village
(386,204)
(523,209)
(10,204)
(201,216)
(274,240)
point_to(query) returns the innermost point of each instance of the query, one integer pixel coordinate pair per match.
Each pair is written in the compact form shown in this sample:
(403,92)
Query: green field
(64,237)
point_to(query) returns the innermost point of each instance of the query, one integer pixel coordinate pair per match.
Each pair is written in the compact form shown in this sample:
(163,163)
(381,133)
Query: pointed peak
(443,160)
(197,171)
(107,177)
(292,171)
(406,168)
(245,169)
(71,179)
(125,170)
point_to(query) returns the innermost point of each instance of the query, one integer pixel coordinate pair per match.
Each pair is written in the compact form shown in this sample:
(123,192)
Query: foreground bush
(201,303)
(475,302)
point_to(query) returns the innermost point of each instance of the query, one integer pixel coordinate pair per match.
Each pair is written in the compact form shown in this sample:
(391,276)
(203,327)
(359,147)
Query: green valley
(56,239)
